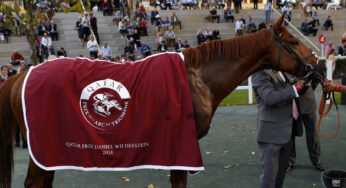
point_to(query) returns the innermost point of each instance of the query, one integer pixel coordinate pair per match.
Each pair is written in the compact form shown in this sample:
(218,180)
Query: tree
(30,17)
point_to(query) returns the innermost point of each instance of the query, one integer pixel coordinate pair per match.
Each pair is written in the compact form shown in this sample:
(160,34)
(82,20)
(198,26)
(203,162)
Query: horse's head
(291,55)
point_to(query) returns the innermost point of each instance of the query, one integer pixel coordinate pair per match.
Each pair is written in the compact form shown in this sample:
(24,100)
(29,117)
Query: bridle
(308,67)
(310,71)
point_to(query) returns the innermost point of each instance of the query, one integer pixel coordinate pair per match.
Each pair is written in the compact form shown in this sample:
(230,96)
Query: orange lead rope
(322,114)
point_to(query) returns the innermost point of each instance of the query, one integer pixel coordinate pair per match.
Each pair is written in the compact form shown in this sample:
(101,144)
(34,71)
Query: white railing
(248,87)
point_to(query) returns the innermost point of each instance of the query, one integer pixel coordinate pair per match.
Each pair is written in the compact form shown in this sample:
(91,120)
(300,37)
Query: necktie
(294,105)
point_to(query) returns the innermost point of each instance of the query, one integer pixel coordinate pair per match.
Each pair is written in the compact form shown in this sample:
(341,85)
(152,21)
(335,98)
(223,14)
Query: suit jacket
(274,102)
(308,102)
(54,27)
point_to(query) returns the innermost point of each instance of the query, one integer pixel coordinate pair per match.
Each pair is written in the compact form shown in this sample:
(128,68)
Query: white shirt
(285,9)
(239,25)
(85,22)
(268,6)
(46,41)
(121,26)
(95,9)
(92,46)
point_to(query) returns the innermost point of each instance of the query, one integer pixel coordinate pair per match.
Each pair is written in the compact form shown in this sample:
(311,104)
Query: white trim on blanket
(187,168)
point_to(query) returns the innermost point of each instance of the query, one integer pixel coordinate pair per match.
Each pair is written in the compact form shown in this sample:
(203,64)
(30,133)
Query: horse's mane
(227,49)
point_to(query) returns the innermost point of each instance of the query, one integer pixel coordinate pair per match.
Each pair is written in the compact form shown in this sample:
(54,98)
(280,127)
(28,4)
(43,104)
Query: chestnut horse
(214,70)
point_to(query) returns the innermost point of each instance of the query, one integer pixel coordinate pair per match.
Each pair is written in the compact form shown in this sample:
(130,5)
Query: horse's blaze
(104,103)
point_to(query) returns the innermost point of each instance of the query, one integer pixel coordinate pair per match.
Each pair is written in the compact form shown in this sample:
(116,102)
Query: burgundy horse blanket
(97,115)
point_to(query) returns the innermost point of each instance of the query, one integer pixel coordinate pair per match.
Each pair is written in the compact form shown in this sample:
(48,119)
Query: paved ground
(230,156)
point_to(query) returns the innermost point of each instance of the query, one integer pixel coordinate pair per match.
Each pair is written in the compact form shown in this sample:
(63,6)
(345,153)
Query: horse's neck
(222,75)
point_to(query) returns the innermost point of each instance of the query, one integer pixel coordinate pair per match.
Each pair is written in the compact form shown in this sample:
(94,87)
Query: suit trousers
(312,139)
(274,160)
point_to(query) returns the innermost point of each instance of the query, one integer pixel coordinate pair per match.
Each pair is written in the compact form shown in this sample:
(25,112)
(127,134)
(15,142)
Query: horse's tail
(7,130)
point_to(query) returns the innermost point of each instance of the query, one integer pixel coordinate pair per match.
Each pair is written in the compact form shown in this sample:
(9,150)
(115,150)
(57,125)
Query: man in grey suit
(277,121)
(308,113)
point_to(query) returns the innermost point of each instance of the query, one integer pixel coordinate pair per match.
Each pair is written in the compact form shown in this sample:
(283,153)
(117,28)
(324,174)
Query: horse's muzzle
(318,73)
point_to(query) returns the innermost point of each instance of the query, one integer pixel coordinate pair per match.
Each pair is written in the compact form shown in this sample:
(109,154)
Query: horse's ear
(278,26)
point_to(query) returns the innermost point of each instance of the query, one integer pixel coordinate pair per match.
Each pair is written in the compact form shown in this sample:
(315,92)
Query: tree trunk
(30,30)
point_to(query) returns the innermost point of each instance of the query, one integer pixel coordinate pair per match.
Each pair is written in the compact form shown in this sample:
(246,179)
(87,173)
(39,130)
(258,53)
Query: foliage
(340,68)
(31,18)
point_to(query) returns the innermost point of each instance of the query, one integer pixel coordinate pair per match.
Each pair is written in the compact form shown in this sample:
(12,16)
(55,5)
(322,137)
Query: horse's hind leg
(37,177)
(178,178)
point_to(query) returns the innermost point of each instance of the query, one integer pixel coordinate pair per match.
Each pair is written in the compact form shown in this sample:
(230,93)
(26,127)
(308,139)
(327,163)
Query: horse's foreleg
(178,178)
(37,177)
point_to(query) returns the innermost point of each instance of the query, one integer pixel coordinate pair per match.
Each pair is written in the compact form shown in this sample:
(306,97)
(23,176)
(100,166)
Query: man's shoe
(319,166)
(290,167)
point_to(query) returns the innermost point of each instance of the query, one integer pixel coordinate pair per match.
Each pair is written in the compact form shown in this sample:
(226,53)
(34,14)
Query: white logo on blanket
(104,103)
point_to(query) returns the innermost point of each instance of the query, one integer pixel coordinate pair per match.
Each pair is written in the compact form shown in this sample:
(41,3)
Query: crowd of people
(165,28)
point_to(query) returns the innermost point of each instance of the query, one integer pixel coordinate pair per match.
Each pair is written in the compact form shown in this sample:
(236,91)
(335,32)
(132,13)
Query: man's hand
(301,83)
(329,86)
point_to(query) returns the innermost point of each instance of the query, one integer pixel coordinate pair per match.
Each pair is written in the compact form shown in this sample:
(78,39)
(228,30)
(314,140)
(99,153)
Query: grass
(241,98)
(237,98)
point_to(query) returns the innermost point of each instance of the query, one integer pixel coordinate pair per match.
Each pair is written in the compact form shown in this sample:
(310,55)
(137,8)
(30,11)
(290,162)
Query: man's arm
(332,86)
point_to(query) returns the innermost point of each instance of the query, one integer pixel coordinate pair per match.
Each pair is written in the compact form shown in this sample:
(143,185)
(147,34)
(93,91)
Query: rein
(300,63)
(324,98)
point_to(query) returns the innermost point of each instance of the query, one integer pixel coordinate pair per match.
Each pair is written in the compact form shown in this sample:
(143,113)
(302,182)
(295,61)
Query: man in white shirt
(239,27)
(46,43)
(85,25)
(92,47)
(170,36)
(286,10)
(106,51)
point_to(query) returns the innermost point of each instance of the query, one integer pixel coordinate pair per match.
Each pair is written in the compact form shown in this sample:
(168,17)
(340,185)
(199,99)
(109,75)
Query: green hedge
(340,68)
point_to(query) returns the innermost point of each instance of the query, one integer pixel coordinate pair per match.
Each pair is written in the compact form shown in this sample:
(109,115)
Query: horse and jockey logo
(104,103)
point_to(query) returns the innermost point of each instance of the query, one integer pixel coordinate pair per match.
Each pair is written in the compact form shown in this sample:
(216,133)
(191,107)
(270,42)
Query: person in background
(200,37)
(315,18)
(162,47)
(16,58)
(179,46)
(3,74)
(255,4)
(145,49)
(239,25)
(129,48)
(170,37)
(153,17)
(268,10)
(92,47)
(53,30)
(228,15)
(308,110)
(342,48)
(11,71)
(106,51)
(85,26)
(214,15)
(61,52)
(262,25)
(328,48)
(79,28)
(186,44)
(216,34)
(93,26)
(286,10)
(328,24)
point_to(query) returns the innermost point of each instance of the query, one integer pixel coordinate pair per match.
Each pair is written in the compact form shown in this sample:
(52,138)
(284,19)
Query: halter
(308,67)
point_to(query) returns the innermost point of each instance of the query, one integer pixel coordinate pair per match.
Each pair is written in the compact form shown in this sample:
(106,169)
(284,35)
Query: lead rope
(325,97)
